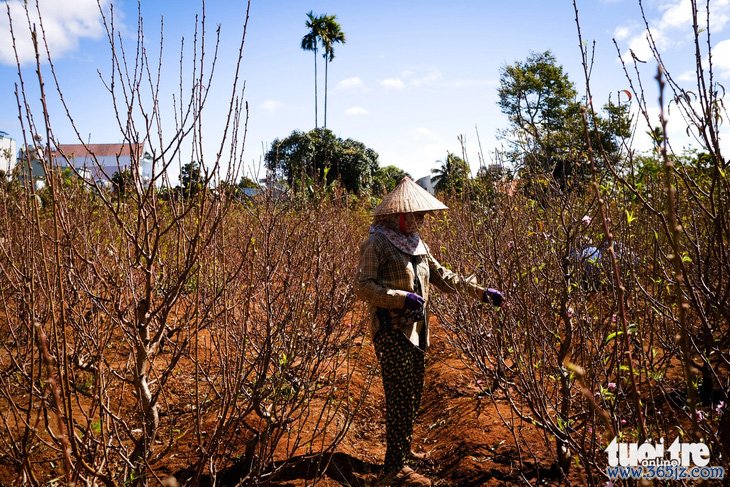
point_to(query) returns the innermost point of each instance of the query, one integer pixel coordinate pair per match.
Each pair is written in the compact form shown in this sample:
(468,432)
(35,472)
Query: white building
(99,162)
(8,153)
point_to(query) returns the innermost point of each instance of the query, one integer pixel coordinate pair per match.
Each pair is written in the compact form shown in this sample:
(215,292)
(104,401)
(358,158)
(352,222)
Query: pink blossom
(623,422)
(586,220)
(699,416)
(611,386)
(720,406)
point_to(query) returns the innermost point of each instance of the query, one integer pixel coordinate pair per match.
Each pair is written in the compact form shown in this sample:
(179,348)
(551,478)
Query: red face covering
(402,223)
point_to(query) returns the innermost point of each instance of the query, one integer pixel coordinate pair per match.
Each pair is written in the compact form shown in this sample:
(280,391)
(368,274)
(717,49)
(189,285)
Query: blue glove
(413,302)
(493,296)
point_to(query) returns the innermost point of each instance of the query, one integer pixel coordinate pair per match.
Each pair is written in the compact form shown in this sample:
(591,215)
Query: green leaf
(613,335)
(629,217)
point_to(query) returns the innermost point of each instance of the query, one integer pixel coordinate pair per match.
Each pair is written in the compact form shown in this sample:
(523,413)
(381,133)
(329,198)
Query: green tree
(310,42)
(386,179)
(122,181)
(304,158)
(452,175)
(537,97)
(247,182)
(535,94)
(192,179)
(5,181)
(546,135)
(330,34)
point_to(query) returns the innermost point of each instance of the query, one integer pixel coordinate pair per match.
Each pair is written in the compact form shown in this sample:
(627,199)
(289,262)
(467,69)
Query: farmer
(395,272)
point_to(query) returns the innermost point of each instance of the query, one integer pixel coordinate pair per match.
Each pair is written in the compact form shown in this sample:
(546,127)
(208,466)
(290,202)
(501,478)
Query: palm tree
(310,41)
(330,34)
(452,174)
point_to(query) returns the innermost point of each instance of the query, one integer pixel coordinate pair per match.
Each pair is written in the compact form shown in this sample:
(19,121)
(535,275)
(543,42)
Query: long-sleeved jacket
(386,275)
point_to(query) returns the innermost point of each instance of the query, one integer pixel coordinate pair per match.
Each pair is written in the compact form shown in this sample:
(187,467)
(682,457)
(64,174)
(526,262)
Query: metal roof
(98,150)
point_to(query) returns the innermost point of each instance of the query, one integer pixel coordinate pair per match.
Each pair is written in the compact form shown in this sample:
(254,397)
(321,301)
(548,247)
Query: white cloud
(350,83)
(393,83)
(472,83)
(411,79)
(687,76)
(673,27)
(639,46)
(423,134)
(622,33)
(429,78)
(721,57)
(676,15)
(356,111)
(64,23)
(271,106)
(421,159)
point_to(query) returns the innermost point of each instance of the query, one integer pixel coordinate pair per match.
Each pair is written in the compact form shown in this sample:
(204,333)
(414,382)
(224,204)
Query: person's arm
(368,286)
(450,282)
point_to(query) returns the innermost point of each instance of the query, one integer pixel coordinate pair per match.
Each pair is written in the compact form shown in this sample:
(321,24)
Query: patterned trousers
(402,368)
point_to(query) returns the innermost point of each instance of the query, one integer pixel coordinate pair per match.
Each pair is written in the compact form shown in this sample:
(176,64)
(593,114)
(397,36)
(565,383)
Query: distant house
(272,187)
(99,162)
(250,192)
(8,153)
(30,167)
(497,170)
(426,183)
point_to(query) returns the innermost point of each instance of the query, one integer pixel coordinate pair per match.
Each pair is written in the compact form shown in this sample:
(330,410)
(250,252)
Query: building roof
(98,150)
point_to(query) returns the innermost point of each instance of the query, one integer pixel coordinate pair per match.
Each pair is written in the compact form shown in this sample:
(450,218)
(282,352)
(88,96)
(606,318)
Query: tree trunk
(561,446)
(315,88)
(150,411)
(326,71)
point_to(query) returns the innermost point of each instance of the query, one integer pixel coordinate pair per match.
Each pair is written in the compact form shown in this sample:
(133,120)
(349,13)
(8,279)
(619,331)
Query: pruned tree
(144,326)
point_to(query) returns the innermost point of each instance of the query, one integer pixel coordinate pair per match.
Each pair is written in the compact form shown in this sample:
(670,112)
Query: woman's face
(412,222)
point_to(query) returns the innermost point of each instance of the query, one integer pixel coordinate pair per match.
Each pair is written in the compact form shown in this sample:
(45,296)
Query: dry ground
(460,428)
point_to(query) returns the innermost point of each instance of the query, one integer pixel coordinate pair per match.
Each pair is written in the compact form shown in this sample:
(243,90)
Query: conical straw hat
(408,197)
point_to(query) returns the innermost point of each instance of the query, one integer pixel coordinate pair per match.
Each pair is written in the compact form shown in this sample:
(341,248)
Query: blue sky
(412,77)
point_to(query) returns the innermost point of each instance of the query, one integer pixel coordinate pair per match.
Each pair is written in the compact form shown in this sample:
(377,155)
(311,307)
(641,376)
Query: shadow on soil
(455,472)
(340,467)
